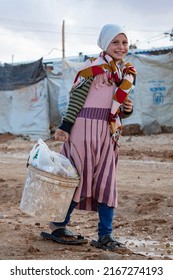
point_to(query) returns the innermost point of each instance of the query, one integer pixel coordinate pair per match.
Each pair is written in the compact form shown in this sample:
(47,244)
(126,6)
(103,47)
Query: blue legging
(106,216)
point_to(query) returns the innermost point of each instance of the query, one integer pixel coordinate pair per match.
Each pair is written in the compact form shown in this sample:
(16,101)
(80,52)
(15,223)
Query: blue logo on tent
(158,91)
(158,98)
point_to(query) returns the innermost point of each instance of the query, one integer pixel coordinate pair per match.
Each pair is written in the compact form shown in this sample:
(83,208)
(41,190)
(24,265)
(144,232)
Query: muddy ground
(143,220)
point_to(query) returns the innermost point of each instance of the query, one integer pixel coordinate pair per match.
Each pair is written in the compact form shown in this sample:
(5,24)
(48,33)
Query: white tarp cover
(25,111)
(153,94)
(59,87)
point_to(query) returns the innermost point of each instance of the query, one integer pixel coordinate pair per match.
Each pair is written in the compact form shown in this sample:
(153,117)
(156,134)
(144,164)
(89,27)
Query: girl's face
(118,48)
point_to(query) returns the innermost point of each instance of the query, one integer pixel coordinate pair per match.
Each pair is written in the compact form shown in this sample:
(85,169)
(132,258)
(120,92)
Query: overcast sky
(31,29)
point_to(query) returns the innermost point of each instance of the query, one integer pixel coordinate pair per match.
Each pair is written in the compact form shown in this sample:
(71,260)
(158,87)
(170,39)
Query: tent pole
(63,39)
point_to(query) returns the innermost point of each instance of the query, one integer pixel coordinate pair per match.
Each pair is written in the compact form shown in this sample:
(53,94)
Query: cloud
(39,23)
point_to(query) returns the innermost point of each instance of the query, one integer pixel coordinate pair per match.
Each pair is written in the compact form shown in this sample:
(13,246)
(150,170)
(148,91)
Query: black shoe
(107,242)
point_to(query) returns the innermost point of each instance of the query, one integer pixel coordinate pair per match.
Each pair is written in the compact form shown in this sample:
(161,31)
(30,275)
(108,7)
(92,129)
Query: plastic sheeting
(22,75)
(33,100)
(59,87)
(24,100)
(26,111)
(153,94)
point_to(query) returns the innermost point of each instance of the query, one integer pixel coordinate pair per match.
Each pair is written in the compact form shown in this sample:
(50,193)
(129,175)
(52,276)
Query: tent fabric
(59,87)
(26,111)
(153,94)
(54,88)
(17,76)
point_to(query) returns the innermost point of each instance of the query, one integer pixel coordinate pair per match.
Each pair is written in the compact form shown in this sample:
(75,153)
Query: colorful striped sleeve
(76,102)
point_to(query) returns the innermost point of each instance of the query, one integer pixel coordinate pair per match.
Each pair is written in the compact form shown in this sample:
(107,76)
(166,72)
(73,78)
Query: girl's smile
(118,48)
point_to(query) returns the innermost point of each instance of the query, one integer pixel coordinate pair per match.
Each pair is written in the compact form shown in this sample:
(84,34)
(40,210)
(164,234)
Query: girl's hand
(128,105)
(61,135)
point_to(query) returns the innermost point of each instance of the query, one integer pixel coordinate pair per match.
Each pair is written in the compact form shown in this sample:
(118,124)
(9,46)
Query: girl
(92,128)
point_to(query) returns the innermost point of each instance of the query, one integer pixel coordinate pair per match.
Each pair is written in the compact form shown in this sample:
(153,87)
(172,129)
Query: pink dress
(91,151)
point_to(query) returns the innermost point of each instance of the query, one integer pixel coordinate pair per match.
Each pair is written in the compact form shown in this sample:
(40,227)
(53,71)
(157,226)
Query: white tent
(25,111)
(24,100)
(32,100)
(59,87)
(153,94)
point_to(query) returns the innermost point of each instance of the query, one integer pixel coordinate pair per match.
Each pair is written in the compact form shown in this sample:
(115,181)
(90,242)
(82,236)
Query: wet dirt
(143,220)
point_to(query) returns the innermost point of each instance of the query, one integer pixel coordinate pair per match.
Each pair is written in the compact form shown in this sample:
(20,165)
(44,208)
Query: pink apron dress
(91,151)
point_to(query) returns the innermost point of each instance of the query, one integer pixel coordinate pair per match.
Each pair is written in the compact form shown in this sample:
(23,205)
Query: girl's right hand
(61,135)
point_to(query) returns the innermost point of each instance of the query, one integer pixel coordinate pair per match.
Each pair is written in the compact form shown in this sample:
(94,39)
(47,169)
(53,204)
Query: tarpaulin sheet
(22,75)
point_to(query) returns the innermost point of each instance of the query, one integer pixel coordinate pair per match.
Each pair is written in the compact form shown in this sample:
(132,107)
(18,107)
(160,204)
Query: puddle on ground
(150,248)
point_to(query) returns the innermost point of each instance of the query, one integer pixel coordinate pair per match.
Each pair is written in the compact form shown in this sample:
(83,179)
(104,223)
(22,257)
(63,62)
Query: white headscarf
(108,32)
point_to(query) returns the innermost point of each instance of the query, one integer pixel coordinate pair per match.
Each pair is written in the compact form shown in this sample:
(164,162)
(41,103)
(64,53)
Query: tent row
(33,100)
